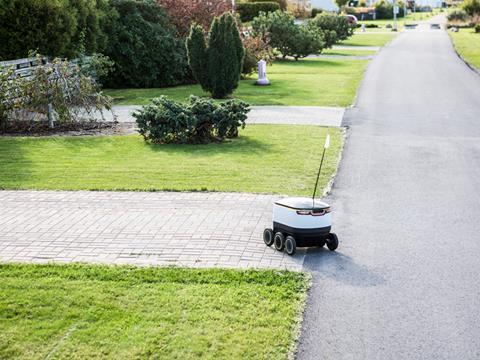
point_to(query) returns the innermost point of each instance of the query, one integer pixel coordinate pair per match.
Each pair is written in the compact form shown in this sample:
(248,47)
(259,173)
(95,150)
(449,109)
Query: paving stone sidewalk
(140,228)
(304,115)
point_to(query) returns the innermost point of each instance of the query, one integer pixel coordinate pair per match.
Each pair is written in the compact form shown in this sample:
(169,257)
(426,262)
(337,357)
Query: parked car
(352,19)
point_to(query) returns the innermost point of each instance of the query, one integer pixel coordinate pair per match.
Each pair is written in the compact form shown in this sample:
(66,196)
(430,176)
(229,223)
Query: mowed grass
(349,52)
(265,158)
(369,39)
(467,43)
(91,312)
(307,82)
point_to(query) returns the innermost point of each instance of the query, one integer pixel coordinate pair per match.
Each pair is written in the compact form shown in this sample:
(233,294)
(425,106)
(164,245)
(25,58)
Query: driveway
(405,281)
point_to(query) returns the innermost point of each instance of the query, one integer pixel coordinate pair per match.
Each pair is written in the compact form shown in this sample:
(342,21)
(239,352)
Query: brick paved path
(141,228)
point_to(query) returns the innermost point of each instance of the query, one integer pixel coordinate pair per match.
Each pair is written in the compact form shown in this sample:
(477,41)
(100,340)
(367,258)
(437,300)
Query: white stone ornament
(262,73)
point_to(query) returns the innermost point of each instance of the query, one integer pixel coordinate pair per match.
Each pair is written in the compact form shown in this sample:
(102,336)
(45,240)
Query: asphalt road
(405,282)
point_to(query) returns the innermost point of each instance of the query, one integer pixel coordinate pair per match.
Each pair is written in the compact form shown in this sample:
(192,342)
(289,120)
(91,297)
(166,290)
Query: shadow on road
(341,268)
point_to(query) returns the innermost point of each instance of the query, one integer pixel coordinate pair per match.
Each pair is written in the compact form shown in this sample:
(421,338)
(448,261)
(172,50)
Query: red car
(352,19)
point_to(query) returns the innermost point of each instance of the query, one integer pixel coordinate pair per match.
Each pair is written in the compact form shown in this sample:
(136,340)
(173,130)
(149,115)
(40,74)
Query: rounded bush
(336,27)
(289,39)
(248,11)
(198,122)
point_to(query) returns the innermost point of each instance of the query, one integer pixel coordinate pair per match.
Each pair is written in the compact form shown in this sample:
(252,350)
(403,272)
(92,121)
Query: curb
(473,68)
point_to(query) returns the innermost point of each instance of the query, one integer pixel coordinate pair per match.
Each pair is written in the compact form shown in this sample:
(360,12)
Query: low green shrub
(477,28)
(200,121)
(229,116)
(248,11)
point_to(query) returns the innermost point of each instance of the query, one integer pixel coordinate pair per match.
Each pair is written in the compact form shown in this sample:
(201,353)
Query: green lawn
(320,82)
(369,39)
(467,43)
(265,158)
(86,312)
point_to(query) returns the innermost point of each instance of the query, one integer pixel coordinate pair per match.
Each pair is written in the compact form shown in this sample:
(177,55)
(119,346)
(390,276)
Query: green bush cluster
(250,10)
(52,27)
(336,28)
(293,40)
(384,10)
(200,121)
(477,28)
(135,34)
(217,67)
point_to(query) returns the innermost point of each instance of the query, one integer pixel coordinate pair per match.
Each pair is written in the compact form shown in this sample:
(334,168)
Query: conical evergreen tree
(218,67)
(237,43)
(217,58)
(232,70)
(197,55)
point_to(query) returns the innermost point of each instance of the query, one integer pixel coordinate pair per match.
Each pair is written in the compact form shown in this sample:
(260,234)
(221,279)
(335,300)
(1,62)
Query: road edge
(472,67)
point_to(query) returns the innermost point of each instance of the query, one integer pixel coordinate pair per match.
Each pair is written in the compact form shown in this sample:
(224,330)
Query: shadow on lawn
(242,144)
(313,62)
(15,167)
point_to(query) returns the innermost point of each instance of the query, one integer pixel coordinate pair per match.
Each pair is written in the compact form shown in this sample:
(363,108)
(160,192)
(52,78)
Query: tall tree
(197,54)
(217,67)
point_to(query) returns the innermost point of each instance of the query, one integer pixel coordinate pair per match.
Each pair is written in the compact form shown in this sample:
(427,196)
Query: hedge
(384,10)
(61,28)
(249,11)
(282,3)
(144,47)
